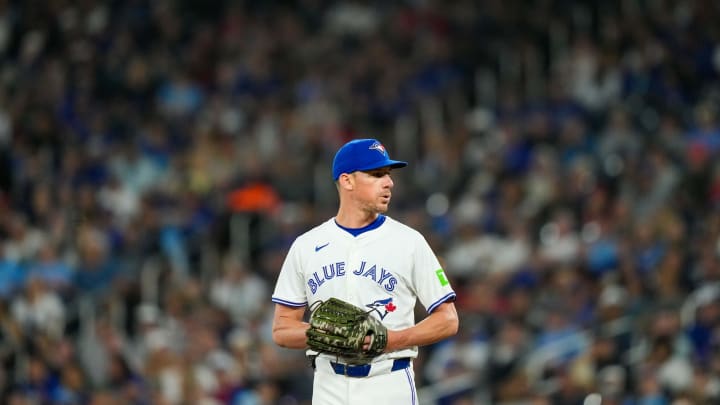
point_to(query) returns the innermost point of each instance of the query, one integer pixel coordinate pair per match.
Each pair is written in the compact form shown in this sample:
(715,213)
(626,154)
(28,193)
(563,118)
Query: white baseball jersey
(385,269)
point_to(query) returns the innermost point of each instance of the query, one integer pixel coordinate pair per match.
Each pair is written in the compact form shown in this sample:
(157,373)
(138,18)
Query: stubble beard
(382,207)
(377,207)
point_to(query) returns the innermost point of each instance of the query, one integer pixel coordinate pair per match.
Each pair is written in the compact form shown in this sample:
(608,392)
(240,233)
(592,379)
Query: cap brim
(395,164)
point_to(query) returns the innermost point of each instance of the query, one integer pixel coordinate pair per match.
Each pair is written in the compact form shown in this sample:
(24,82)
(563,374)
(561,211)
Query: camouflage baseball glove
(338,327)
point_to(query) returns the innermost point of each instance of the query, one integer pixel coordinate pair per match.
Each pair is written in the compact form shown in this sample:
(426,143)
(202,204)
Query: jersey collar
(369,227)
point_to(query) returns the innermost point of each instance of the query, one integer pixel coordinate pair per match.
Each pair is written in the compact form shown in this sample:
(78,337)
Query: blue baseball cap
(362,154)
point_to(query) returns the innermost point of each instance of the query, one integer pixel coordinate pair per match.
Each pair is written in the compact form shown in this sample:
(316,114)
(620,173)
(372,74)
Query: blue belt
(363,370)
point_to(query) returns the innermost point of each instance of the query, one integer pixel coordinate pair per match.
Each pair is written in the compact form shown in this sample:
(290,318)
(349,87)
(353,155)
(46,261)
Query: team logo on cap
(378,147)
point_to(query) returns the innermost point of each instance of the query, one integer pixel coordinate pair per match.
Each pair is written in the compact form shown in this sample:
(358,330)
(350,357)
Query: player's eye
(378,173)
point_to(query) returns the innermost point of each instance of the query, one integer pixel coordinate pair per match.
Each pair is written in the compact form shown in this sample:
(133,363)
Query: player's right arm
(288,328)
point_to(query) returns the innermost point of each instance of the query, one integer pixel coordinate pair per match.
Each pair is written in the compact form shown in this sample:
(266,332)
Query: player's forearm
(288,329)
(437,326)
(290,334)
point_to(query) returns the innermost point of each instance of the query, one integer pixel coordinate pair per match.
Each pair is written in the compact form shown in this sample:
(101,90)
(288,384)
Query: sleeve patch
(441,277)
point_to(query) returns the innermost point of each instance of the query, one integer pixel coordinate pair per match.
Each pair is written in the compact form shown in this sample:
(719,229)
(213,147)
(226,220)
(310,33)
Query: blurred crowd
(158,157)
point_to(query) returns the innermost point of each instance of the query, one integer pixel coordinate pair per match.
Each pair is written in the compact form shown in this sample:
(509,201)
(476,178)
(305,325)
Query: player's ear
(346,181)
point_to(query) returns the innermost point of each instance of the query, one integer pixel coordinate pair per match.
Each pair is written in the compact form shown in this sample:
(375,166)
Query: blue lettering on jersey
(329,271)
(333,270)
(390,284)
(329,274)
(370,273)
(317,279)
(384,275)
(360,270)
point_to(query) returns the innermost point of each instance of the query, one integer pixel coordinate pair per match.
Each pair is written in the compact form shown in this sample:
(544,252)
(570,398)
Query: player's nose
(388,181)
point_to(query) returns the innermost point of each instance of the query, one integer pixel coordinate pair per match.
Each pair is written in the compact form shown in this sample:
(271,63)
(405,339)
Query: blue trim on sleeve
(447,297)
(289,303)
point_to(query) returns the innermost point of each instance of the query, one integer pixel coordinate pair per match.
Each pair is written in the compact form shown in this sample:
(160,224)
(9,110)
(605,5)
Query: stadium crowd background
(157,158)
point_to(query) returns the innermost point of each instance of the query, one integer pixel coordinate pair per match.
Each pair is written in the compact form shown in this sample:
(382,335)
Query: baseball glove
(338,327)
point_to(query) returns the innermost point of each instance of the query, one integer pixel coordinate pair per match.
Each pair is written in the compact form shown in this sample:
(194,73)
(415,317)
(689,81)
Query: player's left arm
(442,323)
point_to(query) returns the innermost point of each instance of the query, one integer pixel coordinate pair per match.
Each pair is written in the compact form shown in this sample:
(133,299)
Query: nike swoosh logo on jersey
(317,248)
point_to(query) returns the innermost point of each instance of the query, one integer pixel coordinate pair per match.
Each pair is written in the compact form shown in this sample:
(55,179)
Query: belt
(363,370)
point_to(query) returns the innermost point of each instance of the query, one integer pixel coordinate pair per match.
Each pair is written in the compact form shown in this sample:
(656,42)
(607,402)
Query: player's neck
(354,219)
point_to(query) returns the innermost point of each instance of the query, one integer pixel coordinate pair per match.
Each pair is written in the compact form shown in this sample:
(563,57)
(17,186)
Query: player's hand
(366,343)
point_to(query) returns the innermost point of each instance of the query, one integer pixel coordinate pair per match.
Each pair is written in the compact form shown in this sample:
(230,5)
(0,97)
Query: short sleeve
(432,285)
(290,285)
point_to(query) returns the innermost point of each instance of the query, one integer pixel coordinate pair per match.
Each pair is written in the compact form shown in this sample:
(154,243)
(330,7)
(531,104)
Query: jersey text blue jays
(330,271)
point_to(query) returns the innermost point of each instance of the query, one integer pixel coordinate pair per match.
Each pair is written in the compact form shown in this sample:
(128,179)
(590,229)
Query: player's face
(374,189)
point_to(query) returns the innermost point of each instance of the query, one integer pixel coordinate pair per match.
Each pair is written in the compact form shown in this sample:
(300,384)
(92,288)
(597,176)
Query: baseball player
(374,262)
